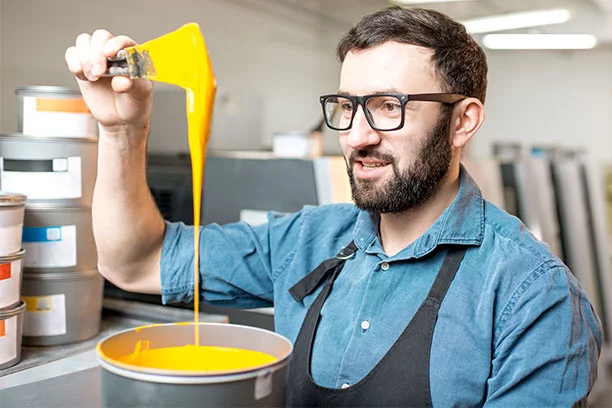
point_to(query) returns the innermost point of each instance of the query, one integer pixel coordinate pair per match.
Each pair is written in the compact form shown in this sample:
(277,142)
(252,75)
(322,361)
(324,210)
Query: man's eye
(347,107)
(391,107)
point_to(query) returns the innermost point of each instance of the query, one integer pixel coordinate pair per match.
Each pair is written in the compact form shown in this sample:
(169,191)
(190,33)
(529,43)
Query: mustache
(370,154)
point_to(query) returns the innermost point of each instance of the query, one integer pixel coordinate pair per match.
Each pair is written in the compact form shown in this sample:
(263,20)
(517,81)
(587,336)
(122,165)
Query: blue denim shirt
(515,329)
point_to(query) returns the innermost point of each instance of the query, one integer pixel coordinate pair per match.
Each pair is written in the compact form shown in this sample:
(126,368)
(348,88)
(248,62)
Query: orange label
(5,271)
(2,328)
(61,105)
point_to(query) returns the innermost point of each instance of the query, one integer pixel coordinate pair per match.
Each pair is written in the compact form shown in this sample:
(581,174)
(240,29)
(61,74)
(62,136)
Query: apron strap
(311,281)
(447,272)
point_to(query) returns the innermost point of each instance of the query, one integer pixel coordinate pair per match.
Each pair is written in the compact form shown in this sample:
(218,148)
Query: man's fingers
(82,46)
(116,44)
(72,60)
(96,58)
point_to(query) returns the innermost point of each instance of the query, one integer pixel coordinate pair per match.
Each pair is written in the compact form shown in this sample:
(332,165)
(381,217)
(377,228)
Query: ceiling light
(517,20)
(407,2)
(539,41)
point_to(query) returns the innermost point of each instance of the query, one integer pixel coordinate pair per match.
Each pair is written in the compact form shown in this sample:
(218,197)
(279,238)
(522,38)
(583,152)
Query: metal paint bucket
(11,324)
(11,272)
(12,206)
(54,111)
(58,239)
(61,307)
(49,170)
(126,385)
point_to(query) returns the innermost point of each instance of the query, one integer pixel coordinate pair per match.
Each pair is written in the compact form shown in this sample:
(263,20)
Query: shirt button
(384,266)
(365,325)
(345,386)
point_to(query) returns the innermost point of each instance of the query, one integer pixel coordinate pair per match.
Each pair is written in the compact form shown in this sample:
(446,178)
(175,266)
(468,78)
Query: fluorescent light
(539,41)
(517,20)
(424,1)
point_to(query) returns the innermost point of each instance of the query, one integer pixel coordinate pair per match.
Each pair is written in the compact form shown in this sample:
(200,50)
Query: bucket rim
(190,377)
(47,139)
(13,257)
(46,89)
(20,308)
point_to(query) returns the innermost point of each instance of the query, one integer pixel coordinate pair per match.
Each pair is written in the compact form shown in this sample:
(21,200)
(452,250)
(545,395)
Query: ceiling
(590,16)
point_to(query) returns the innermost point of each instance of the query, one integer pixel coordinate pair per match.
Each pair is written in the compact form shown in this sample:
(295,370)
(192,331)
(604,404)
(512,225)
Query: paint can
(49,170)
(58,239)
(61,307)
(11,273)
(127,385)
(12,207)
(11,324)
(54,111)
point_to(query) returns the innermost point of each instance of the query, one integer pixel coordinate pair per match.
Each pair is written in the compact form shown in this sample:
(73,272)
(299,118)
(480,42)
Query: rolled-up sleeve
(547,344)
(238,262)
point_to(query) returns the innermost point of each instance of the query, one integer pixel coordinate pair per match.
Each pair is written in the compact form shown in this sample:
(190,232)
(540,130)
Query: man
(438,298)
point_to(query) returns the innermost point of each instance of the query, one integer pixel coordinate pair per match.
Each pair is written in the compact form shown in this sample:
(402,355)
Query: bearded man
(419,294)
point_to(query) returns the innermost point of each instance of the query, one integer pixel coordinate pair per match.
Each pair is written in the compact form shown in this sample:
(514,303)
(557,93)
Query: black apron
(401,377)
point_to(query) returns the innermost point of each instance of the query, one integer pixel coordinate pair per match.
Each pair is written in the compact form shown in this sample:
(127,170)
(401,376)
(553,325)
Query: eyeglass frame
(445,98)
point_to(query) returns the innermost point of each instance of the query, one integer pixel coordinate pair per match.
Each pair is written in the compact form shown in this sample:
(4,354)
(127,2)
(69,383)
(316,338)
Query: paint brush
(131,63)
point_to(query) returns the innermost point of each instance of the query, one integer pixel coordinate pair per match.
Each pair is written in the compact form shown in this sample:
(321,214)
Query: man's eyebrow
(380,92)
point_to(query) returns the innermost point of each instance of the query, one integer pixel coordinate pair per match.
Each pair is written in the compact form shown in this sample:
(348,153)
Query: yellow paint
(181,58)
(196,358)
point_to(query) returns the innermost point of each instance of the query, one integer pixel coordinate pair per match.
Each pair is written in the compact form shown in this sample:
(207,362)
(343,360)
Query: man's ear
(468,117)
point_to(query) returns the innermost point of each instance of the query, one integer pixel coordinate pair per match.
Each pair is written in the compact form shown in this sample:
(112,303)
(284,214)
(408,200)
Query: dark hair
(458,60)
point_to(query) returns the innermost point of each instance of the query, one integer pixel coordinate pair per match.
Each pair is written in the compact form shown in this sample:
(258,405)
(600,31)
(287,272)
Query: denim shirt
(515,328)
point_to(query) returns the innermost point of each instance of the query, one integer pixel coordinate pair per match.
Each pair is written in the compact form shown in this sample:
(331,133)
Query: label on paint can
(44,315)
(53,179)
(8,339)
(263,385)
(50,247)
(57,116)
(10,274)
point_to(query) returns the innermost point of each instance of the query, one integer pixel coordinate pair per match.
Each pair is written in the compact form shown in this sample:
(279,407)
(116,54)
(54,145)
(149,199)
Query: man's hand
(120,104)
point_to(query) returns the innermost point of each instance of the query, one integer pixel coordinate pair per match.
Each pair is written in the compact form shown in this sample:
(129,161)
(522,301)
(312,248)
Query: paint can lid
(42,90)
(11,199)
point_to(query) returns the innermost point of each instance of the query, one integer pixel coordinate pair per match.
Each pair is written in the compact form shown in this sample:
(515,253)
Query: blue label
(42,234)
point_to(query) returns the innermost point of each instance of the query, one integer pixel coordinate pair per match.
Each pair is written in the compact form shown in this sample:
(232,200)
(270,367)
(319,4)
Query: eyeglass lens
(384,112)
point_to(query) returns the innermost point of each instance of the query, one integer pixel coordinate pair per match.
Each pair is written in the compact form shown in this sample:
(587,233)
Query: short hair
(459,61)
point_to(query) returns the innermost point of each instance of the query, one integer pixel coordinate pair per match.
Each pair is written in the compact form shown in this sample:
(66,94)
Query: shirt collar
(462,223)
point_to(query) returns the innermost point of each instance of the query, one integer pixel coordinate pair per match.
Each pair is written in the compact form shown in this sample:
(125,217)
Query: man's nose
(361,134)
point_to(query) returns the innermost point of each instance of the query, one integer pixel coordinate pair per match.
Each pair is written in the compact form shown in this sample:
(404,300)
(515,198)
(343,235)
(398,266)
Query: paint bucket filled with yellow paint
(158,365)
(54,111)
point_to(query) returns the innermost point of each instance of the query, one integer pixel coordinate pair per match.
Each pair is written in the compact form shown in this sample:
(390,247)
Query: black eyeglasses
(384,112)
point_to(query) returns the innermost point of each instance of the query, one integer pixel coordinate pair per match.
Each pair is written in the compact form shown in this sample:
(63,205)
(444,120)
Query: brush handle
(117,65)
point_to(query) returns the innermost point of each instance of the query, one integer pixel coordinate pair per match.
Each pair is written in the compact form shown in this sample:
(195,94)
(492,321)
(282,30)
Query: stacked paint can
(11,267)
(53,161)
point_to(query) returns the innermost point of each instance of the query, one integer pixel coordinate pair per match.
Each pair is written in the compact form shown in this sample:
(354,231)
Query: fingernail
(97,70)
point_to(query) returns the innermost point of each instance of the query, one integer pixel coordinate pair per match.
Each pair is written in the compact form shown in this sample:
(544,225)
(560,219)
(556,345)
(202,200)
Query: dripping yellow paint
(181,58)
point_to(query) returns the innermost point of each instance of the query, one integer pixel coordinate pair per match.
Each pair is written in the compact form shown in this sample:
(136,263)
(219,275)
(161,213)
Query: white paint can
(58,239)
(12,207)
(11,326)
(54,111)
(59,171)
(11,273)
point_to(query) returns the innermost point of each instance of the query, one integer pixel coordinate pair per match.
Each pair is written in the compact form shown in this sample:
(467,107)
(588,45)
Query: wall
(551,98)
(272,62)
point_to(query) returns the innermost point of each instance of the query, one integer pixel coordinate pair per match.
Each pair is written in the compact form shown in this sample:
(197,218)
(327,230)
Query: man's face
(395,171)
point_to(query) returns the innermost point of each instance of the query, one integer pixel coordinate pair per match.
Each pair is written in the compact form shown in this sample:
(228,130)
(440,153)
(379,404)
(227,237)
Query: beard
(410,187)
